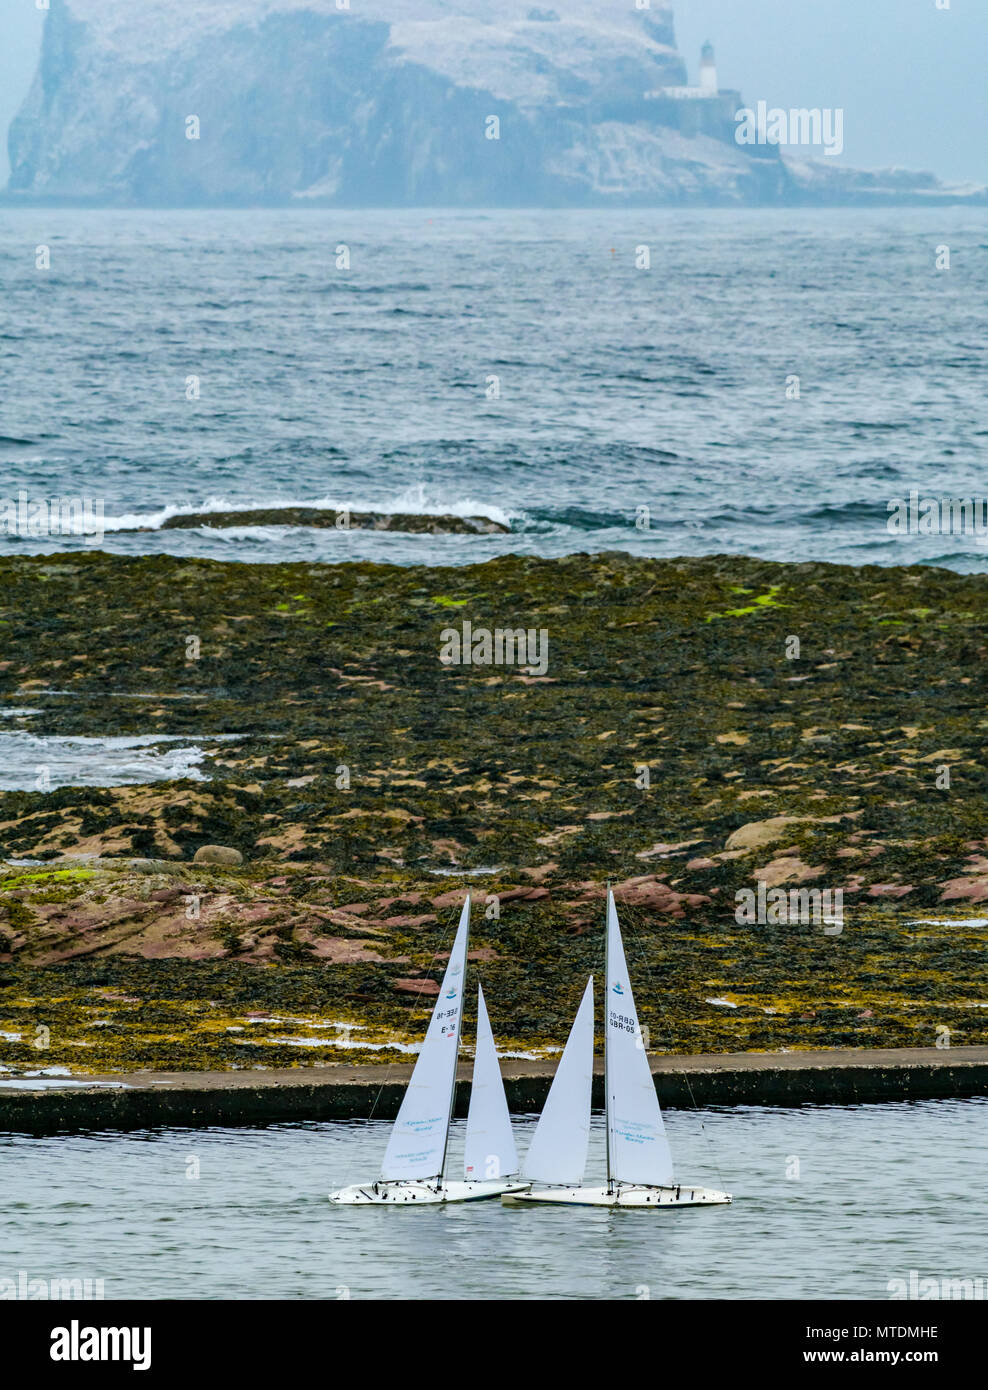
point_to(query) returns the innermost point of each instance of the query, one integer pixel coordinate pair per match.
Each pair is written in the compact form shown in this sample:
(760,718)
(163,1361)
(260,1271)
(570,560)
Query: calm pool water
(881,1190)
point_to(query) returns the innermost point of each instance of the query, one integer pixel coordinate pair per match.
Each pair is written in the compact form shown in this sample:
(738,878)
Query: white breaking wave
(31,762)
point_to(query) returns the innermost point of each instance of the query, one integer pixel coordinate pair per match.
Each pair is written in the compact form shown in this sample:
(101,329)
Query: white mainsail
(417,1147)
(638,1150)
(558,1152)
(490,1145)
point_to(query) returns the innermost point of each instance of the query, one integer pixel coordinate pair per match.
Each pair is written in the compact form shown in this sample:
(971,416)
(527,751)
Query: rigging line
(631,918)
(703,1130)
(428,975)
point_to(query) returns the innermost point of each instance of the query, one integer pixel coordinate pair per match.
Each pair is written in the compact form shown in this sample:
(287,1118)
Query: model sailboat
(414,1168)
(639,1161)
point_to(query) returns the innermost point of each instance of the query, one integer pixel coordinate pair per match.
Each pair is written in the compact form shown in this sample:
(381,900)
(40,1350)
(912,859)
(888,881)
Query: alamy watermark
(78,1343)
(916,515)
(26,1289)
(527,648)
(918,1286)
(765,125)
(804,907)
(31,518)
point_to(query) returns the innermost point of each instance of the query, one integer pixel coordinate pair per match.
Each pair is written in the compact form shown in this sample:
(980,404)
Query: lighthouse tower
(708,70)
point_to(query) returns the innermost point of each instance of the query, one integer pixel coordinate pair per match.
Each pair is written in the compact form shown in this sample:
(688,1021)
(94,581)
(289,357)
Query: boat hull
(421,1194)
(628,1196)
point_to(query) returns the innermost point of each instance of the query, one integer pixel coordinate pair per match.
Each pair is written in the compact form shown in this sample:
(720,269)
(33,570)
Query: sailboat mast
(607,1005)
(459,1030)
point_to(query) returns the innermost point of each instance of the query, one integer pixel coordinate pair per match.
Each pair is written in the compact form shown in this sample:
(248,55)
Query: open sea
(517,365)
(831,1202)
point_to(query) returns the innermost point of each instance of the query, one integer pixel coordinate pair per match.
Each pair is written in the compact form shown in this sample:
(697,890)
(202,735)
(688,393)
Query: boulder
(218,854)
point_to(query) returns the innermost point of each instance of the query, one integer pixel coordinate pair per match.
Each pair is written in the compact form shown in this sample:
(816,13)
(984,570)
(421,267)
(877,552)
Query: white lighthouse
(708,82)
(708,69)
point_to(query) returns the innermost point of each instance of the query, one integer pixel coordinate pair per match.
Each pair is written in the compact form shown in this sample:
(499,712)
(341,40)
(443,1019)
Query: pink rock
(344,952)
(455,898)
(974,890)
(429,987)
(786,871)
(528,895)
(657,851)
(652,893)
(249,915)
(402,898)
(541,871)
(482,953)
(889,890)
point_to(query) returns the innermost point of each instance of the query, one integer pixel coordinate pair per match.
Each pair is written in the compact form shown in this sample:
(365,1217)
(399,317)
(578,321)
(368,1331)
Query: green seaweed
(762,601)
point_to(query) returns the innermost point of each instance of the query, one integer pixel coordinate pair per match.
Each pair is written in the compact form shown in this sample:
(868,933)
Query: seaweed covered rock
(673,747)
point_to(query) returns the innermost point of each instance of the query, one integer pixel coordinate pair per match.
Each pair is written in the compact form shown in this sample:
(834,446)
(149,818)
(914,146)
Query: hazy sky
(910,77)
(20,39)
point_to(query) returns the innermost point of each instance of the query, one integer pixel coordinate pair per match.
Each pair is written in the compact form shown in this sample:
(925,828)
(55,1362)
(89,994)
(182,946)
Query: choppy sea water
(881,1190)
(517,365)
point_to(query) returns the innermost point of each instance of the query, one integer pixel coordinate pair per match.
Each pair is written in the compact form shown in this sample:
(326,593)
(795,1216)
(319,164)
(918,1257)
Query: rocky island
(399,103)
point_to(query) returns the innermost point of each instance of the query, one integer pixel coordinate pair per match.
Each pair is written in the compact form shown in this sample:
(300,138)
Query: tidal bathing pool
(831,1202)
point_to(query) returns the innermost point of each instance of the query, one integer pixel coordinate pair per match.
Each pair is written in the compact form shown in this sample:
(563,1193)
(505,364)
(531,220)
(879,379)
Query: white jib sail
(490,1146)
(417,1145)
(558,1152)
(639,1150)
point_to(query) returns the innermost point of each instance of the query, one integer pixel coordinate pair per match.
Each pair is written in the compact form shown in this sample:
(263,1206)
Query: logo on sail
(618,989)
(451,994)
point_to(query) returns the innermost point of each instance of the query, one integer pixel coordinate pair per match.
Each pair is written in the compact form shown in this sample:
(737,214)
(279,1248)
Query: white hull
(627,1196)
(420,1194)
